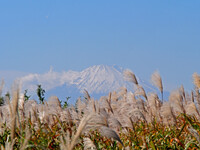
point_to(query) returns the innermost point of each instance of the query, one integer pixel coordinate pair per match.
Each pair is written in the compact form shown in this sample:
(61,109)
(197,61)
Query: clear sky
(141,35)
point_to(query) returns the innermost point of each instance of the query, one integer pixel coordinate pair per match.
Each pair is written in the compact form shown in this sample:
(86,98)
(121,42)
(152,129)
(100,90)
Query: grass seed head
(130,76)
(196,80)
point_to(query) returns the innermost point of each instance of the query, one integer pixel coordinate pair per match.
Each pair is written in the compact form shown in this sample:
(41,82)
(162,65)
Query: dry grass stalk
(176,101)
(109,98)
(194,133)
(9,105)
(109,103)
(114,123)
(129,122)
(24,144)
(191,109)
(154,103)
(197,95)
(168,114)
(68,143)
(140,91)
(14,111)
(182,91)
(109,133)
(91,107)
(196,80)
(88,144)
(137,115)
(192,96)
(81,126)
(1,86)
(130,76)
(157,81)
(131,97)
(65,140)
(122,93)
(95,122)
(141,105)
(87,95)
(114,96)
(80,106)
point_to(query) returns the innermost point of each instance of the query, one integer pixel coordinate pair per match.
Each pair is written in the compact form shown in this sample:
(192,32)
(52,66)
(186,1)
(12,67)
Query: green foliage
(26,97)
(66,104)
(40,94)
(8,95)
(1,101)
(5,133)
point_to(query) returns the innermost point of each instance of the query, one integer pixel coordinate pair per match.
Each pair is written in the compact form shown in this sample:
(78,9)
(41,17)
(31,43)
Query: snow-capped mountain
(95,79)
(99,79)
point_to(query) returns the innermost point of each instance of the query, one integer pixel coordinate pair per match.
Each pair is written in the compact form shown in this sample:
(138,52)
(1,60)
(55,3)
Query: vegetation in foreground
(121,120)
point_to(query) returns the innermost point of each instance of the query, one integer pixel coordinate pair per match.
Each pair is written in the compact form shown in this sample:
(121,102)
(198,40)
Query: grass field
(120,120)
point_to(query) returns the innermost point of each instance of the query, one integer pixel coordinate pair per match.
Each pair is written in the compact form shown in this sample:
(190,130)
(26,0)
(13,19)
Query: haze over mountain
(98,80)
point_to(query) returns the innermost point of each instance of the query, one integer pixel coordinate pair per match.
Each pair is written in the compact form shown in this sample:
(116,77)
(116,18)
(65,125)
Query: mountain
(98,80)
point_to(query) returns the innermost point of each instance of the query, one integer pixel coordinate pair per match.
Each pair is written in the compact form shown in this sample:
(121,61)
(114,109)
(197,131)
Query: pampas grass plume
(87,95)
(1,86)
(130,76)
(109,133)
(196,80)
(157,81)
(88,144)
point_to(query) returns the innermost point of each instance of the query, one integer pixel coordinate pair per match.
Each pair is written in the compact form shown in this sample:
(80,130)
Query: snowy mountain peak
(99,79)
(95,79)
(100,68)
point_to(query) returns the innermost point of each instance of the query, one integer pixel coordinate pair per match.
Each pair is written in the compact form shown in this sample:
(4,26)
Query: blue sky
(143,36)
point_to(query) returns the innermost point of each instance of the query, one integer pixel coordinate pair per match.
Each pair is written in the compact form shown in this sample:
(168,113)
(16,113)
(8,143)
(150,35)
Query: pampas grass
(167,114)
(130,76)
(182,92)
(69,144)
(196,80)
(109,133)
(154,104)
(1,87)
(14,111)
(131,119)
(176,101)
(141,92)
(87,95)
(157,81)
(24,144)
(88,144)
(194,133)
